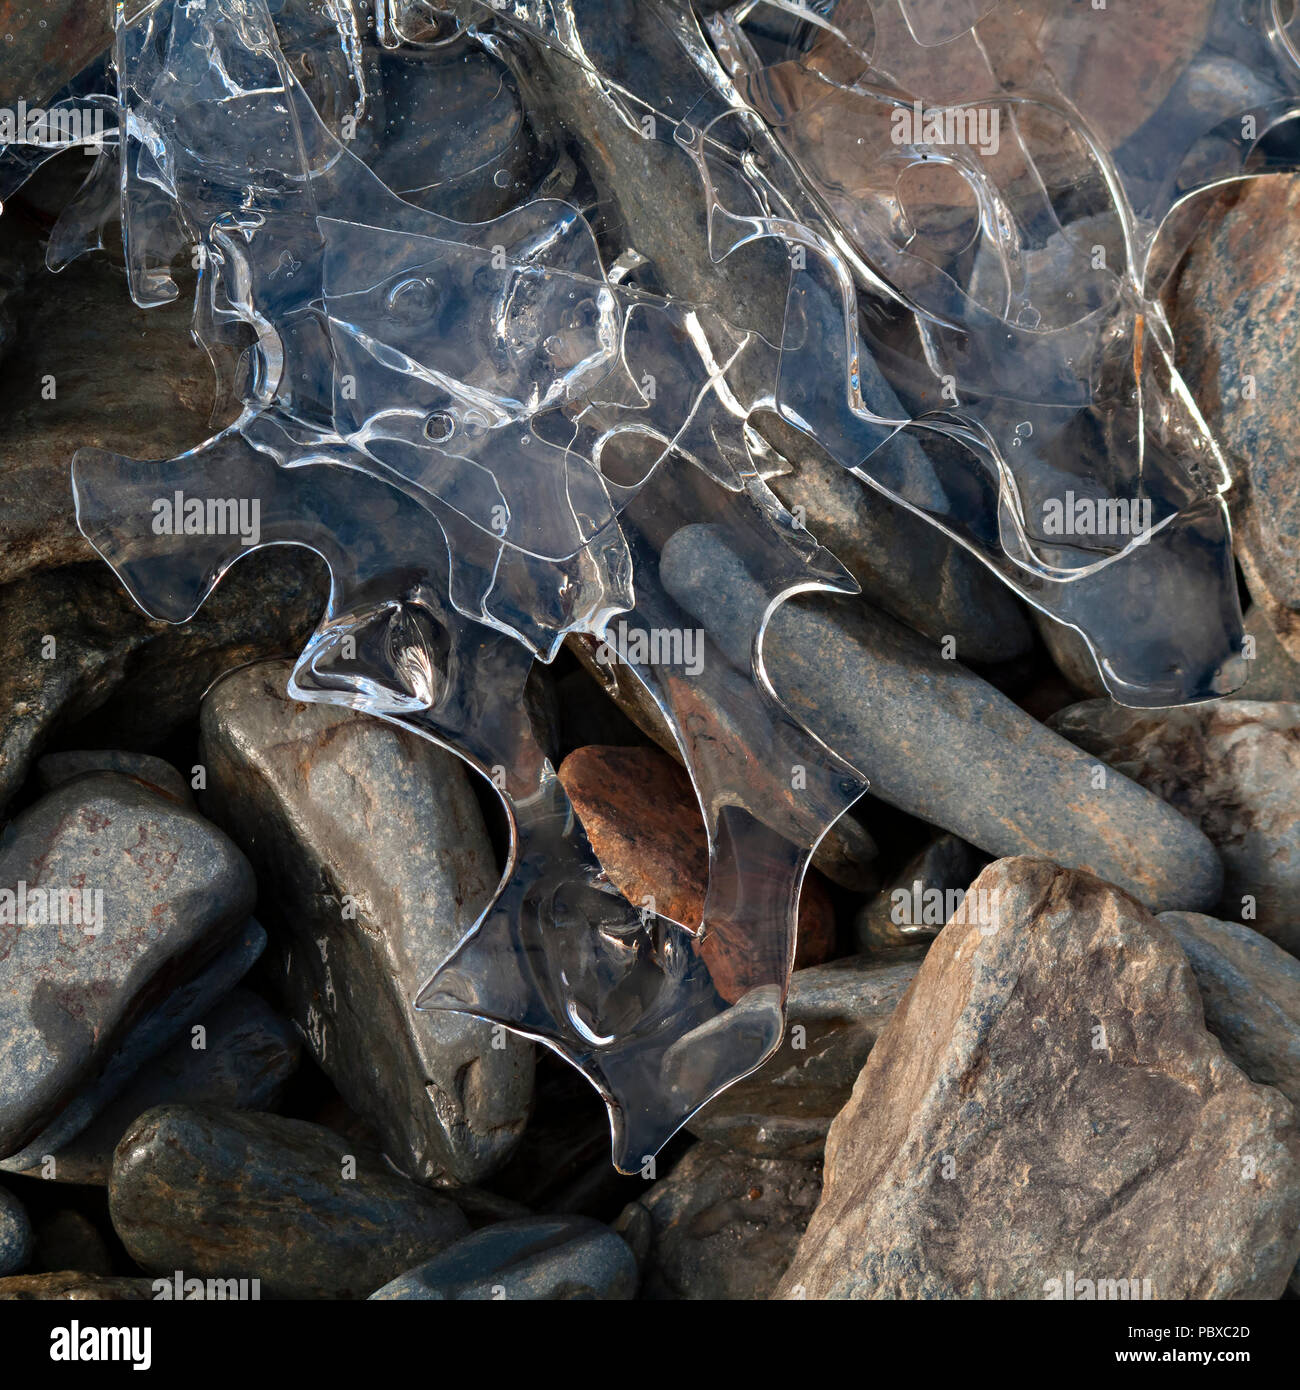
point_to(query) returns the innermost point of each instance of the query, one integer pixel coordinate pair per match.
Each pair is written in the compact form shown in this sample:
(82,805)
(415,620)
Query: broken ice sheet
(460,380)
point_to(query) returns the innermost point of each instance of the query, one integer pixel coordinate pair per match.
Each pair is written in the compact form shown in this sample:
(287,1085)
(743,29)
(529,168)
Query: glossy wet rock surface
(229,1194)
(368,891)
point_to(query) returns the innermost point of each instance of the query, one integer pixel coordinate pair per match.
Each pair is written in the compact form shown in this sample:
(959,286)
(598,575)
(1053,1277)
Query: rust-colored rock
(1046,1106)
(644,823)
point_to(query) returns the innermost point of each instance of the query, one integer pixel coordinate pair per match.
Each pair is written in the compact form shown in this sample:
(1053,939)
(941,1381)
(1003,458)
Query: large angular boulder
(1046,1108)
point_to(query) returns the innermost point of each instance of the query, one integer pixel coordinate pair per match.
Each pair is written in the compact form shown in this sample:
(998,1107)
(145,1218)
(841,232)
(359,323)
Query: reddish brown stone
(644,823)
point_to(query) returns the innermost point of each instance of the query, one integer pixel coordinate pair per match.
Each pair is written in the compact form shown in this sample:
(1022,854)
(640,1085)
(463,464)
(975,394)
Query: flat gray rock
(1232,767)
(374,863)
(1045,1109)
(174,891)
(241,1195)
(564,1258)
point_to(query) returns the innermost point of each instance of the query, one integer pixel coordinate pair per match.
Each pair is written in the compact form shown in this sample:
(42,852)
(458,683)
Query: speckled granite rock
(722,1225)
(16,1240)
(833,1015)
(537,1258)
(1046,1100)
(1251,993)
(944,745)
(248,1056)
(175,889)
(237,1194)
(374,862)
(1232,767)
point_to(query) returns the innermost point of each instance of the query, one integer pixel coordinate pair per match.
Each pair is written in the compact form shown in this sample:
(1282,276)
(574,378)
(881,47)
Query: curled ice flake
(506,301)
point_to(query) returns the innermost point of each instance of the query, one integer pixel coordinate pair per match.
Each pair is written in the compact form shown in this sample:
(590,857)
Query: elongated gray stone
(248,1055)
(942,744)
(537,1258)
(374,862)
(1233,768)
(174,890)
(833,1015)
(240,1195)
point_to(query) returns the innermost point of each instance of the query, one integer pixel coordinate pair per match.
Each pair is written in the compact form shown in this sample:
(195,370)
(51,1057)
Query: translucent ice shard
(513,391)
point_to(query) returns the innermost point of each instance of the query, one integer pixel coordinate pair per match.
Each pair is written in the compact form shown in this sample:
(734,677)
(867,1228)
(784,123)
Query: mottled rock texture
(1046,1102)
(722,1225)
(174,891)
(237,1194)
(944,745)
(1232,767)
